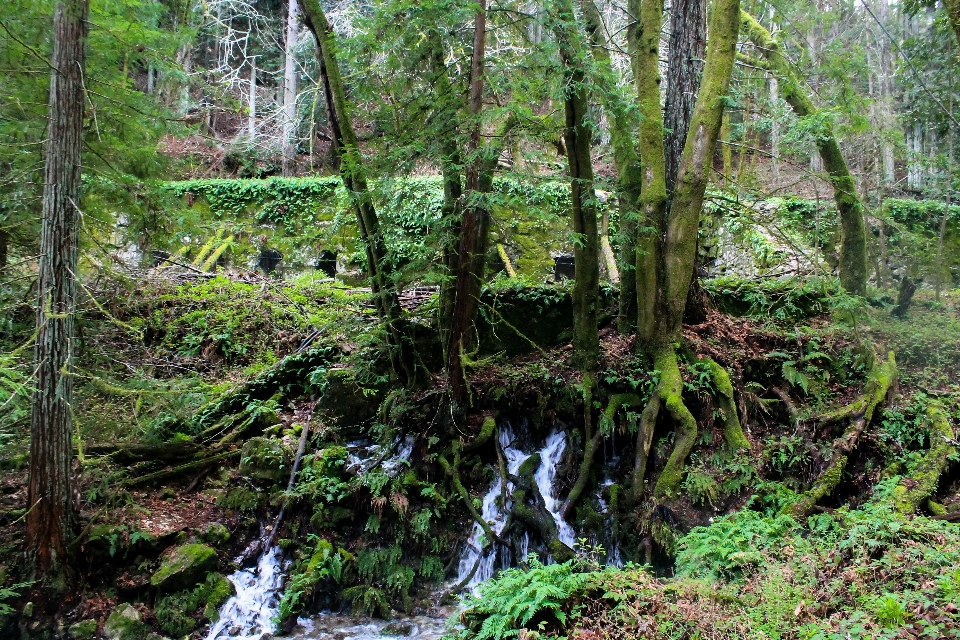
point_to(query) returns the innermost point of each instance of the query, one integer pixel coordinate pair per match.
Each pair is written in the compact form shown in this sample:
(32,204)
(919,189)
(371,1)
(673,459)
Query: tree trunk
(627,162)
(355,181)
(252,100)
(853,237)
(473,227)
(645,40)
(688,45)
(953,15)
(50,517)
(577,136)
(290,91)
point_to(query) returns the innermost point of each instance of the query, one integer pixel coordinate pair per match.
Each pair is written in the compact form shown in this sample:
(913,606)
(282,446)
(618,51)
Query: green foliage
(786,453)
(176,612)
(541,595)
(10,593)
(782,299)
(701,486)
(308,576)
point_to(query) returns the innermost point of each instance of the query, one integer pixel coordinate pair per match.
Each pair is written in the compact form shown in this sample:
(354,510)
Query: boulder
(214,533)
(83,630)
(125,623)
(267,459)
(184,567)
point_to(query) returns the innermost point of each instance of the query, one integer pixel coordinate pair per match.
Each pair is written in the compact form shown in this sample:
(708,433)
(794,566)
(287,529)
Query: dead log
(914,489)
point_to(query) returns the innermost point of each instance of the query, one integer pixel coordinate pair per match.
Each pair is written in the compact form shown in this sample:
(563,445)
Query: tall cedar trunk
(577,137)
(645,40)
(688,46)
(290,91)
(473,226)
(447,106)
(853,237)
(355,182)
(627,162)
(50,517)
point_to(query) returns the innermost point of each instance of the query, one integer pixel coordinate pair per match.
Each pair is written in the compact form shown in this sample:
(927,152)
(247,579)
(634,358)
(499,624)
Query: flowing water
(492,513)
(249,614)
(546,474)
(335,626)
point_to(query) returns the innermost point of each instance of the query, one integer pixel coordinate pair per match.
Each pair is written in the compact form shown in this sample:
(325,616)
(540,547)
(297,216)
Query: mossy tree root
(732,430)
(915,490)
(593,444)
(454,474)
(880,385)
(670,390)
(648,420)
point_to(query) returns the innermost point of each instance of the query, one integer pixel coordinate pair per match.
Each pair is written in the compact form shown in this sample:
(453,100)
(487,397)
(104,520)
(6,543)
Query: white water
(545,476)
(250,613)
(496,516)
(492,514)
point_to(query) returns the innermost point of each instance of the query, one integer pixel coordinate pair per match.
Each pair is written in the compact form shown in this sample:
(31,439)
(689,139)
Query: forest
(427,319)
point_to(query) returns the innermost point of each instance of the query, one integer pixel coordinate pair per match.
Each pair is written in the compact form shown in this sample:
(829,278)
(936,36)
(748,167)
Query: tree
(355,181)
(666,251)
(853,235)
(289,90)
(50,519)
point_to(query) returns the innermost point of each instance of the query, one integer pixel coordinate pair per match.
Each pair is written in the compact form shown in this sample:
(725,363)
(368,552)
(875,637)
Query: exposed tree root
(732,431)
(648,420)
(487,429)
(593,444)
(914,490)
(670,390)
(880,385)
(453,473)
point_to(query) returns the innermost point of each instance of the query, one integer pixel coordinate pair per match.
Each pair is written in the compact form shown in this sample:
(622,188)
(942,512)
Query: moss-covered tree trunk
(355,181)
(626,160)
(953,15)
(688,44)
(853,236)
(644,38)
(50,516)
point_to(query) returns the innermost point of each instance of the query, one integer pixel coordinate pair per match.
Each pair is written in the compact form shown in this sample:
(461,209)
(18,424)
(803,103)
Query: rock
(184,567)
(82,630)
(27,611)
(125,623)
(234,631)
(214,533)
(266,459)
(399,628)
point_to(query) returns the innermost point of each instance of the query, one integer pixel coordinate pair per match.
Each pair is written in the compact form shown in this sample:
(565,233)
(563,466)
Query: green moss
(267,459)
(125,623)
(922,481)
(732,430)
(83,630)
(185,566)
(670,390)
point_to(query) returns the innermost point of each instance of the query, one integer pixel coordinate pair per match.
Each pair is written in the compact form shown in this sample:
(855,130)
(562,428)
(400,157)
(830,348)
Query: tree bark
(290,91)
(473,226)
(354,179)
(49,523)
(853,237)
(688,46)
(644,39)
(953,15)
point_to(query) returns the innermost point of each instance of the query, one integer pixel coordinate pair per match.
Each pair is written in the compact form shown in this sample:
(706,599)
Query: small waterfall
(545,476)
(249,614)
(493,514)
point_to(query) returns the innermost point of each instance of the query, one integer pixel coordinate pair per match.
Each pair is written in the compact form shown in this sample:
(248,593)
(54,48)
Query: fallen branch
(176,471)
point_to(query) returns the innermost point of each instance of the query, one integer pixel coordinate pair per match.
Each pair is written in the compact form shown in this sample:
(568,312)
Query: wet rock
(125,623)
(184,567)
(214,533)
(27,611)
(398,628)
(234,631)
(82,630)
(266,459)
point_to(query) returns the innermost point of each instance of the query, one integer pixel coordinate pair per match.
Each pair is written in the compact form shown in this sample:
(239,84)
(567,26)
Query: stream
(249,614)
